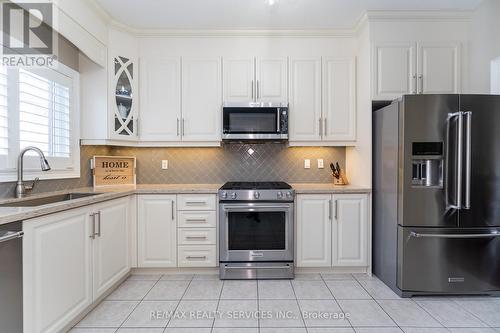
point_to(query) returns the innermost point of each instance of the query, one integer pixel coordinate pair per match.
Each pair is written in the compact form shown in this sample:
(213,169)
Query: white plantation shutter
(44,113)
(39,107)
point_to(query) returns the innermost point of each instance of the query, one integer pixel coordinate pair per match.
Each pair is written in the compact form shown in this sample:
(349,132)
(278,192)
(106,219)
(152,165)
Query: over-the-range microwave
(255,121)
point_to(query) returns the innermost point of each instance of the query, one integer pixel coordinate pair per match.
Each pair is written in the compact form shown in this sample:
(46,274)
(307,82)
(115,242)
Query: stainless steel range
(256,230)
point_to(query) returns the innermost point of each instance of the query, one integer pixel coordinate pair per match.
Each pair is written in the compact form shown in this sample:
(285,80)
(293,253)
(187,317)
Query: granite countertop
(12,214)
(312,188)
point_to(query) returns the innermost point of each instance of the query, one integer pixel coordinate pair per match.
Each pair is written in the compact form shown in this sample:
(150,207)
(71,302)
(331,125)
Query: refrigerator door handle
(490,235)
(468,158)
(457,204)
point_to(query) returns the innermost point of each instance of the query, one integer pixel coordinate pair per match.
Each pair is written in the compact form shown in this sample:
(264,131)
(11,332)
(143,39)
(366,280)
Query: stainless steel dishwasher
(11,278)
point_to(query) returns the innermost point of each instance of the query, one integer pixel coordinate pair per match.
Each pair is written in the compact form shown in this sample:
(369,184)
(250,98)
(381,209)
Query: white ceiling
(258,14)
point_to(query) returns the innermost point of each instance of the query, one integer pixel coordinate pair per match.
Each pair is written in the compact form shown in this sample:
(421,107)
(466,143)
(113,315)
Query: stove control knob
(256,195)
(233,195)
(288,195)
(279,195)
(223,195)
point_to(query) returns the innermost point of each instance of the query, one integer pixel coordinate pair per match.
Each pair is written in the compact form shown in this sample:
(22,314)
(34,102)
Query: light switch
(164,164)
(307,164)
(320,163)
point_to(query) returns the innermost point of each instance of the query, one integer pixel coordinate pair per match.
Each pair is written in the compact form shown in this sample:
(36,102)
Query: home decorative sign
(113,170)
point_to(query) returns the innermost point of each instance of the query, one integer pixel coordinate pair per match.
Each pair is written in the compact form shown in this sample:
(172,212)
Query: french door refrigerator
(436,194)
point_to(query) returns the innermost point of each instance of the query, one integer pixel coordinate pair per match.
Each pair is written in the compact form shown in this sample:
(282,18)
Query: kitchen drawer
(192,236)
(194,219)
(196,256)
(196,202)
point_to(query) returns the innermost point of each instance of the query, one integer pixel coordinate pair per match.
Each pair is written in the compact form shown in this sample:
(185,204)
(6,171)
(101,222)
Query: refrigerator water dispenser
(427,164)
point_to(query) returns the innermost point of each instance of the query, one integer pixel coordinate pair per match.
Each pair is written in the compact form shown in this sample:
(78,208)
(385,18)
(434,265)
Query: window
(39,107)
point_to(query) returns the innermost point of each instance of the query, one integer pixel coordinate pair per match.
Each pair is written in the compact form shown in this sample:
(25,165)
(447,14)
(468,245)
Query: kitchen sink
(47,200)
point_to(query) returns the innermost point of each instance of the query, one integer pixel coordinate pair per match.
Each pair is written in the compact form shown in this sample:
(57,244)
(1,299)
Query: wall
(484,45)
(206,165)
(232,162)
(359,158)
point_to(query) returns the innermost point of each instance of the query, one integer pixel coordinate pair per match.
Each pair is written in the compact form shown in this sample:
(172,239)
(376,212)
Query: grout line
(258,307)
(335,299)
(138,303)
(218,303)
(373,298)
(298,305)
(467,310)
(178,303)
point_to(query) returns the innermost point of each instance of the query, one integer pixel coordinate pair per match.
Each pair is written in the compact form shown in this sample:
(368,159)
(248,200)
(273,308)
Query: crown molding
(418,15)
(364,19)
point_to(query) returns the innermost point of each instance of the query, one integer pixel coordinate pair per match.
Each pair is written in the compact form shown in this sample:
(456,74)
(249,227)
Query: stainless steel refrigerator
(436,194)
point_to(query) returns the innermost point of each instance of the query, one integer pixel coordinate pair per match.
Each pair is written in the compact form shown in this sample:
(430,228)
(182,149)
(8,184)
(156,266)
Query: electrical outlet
(164,164)
(320,163)
(307,164)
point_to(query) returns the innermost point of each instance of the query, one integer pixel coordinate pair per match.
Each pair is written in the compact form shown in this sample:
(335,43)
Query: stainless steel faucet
(21,189)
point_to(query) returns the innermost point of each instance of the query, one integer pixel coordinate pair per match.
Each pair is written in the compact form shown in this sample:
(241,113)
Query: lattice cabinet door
(124,98)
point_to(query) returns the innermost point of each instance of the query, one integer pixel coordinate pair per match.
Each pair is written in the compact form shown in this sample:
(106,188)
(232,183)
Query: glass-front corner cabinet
(124,98)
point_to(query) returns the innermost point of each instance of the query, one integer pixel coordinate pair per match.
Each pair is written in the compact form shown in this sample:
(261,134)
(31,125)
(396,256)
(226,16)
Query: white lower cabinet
(350,230)
(332,230)
(314,244)
(156,230)
(110,250)
(67,265)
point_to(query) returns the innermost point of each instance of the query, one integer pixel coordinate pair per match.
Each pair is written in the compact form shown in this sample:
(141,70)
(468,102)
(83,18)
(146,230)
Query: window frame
(31,163)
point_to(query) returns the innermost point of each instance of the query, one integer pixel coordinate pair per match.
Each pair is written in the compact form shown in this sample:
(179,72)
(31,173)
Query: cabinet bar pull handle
(324,130)
(98,224)
(320,127)
(173,218)
(196,237)
(183,127)
(196,257)
(177,126)
(336,208)
(258,89)
(196,220)
(92,225)
(330,210)
(252,90)
(196,202)
(421,78)
(415,84)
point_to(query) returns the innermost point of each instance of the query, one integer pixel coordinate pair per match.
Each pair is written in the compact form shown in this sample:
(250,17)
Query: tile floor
(312,303)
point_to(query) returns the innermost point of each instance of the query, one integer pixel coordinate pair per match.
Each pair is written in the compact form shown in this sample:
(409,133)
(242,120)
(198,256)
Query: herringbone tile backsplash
(231,162)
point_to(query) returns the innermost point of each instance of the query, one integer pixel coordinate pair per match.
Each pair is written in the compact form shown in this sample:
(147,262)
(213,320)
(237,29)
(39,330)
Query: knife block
(342,180)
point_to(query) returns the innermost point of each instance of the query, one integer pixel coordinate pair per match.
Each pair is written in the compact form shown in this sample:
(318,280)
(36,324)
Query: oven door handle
(251,208)
(262,267)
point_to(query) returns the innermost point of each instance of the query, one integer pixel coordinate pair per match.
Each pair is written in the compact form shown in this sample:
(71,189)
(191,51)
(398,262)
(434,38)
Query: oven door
(243,122)
(256,232)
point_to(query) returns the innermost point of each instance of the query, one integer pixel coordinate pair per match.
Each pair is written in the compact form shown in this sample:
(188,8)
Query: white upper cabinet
(256,79)
(201,99)
(123,97)
(314,245)
(239,80)
(339,99)
(305,99)
(156,231)
(160,84)
(271,79)
(349,231)
(110,247)
(415,68)
(393,70)
(439,68)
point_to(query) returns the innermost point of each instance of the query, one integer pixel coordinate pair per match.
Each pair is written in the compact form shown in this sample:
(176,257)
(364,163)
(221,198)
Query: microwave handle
(278,120)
